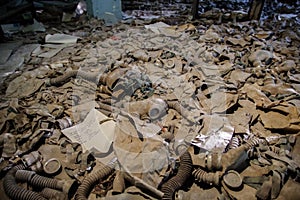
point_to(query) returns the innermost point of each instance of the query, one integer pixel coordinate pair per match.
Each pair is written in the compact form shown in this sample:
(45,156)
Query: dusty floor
(204,110)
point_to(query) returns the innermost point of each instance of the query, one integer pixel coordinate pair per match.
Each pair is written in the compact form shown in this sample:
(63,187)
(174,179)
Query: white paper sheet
(96,131)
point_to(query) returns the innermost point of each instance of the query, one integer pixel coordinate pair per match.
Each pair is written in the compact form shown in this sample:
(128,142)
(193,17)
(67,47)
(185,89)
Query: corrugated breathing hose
(52,194)
(87,184)
(38,181)
(14,191)
(69,74)
(184,172)
(207,177)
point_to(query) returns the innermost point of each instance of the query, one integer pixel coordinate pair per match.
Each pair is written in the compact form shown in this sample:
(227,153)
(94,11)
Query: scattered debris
(152,110)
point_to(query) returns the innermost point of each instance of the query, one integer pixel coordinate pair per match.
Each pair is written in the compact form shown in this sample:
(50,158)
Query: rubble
(151,110)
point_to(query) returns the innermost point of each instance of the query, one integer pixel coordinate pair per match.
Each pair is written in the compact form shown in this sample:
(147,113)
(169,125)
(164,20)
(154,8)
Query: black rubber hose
(53,194)
(24,175)
(14,191)
(87,184)
(69,74)
(43,182)
(38,181)
(206,177)
(177,181)
(252,142)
